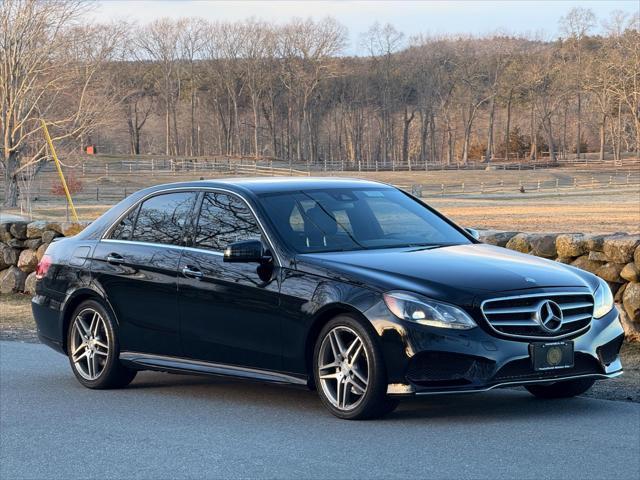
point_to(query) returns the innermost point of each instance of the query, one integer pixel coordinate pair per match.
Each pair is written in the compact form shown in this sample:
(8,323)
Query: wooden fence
(107,179)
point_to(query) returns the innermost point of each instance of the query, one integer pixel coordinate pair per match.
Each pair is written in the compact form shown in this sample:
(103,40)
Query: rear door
(137,267)
(228,311)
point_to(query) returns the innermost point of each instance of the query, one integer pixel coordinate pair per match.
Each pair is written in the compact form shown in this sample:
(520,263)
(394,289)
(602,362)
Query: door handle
(192,272)
(114,259)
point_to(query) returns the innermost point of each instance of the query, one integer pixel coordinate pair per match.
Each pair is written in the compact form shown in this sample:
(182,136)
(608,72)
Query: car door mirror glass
(247,251)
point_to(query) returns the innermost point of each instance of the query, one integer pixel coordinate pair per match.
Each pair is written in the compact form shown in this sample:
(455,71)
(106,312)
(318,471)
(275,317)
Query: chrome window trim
(545,294)
(216,253)
(144,244)
(111,227)
(175,247)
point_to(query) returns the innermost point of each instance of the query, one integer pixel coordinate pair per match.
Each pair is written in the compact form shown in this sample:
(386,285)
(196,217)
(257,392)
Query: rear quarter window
(124,229)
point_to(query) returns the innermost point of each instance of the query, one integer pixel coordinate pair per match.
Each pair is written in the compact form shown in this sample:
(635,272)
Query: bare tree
(133,83)
(49,66)
(576,25)
(627,70)
(472,89)
(192,43)
(258,59)
(159,41)
(307,49)
(382,43)
(549,93)
(223,53)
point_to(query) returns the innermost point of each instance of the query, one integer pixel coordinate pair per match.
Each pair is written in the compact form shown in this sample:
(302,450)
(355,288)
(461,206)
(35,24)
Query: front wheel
(349,371)
(93,348)
(566,389)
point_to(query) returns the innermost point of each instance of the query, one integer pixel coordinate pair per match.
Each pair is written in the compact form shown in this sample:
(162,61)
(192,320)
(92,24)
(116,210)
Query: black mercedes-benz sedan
(351,287)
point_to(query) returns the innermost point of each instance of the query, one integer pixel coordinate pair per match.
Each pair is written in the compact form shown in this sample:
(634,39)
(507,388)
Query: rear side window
(224,219)
(162,218)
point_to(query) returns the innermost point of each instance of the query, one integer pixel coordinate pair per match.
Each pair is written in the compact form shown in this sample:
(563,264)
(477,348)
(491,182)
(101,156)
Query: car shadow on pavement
(489,406)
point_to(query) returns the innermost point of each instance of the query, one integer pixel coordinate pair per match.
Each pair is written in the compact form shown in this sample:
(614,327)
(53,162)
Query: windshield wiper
(420,246)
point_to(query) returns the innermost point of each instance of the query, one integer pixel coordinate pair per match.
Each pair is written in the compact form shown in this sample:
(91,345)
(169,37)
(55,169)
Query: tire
(566,389)
(339,371)
(93,348)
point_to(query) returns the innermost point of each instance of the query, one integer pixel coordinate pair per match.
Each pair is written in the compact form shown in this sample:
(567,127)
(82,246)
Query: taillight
(43,267)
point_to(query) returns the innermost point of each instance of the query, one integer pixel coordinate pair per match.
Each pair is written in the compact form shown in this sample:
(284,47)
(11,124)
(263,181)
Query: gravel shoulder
(16,321)
(16,324)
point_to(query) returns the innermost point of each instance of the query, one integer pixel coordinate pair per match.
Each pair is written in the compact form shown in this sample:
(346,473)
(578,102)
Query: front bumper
(425,360)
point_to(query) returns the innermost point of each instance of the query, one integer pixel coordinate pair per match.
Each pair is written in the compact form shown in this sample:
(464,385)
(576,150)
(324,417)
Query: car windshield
(356,219)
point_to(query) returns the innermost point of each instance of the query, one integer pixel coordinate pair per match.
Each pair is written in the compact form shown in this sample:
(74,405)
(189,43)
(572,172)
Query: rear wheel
(349,371)
(566,389)
(93,348)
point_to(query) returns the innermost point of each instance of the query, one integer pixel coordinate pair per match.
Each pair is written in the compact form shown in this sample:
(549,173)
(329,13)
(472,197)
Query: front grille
(516,316)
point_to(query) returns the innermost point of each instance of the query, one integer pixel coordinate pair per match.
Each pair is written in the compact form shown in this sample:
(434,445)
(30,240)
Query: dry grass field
(589,213)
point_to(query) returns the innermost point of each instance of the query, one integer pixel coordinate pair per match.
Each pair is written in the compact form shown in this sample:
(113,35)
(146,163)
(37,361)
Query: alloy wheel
(89,344)
(343,368)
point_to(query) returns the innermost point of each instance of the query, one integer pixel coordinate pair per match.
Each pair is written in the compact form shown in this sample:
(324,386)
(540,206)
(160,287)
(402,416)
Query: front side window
(356,219)
(162,218)
(224,219)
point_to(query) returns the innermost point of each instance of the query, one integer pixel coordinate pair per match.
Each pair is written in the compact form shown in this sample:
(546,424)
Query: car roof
(258,185)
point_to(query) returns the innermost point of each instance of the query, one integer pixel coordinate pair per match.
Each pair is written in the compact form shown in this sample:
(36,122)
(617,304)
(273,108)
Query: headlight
(603,299)
(414,308)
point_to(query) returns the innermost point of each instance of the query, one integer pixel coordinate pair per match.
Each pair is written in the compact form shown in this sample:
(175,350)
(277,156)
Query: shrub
(74,184)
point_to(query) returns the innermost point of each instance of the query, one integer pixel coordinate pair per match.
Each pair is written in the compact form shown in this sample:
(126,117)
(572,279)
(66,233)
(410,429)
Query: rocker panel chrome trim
(187,365)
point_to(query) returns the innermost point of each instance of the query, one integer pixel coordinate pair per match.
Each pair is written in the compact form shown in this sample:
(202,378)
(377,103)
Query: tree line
(289,92)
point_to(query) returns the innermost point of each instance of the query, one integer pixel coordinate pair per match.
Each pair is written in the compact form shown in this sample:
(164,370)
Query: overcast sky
(411,17)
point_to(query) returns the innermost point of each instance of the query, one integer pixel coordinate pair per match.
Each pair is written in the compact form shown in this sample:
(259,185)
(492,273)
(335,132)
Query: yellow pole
(59,167)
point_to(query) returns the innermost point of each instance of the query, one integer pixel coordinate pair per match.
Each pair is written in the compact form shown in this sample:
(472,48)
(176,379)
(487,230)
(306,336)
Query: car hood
(473,269)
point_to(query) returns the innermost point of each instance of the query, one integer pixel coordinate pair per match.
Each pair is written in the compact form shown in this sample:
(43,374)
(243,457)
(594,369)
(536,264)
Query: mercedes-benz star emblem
(549,315)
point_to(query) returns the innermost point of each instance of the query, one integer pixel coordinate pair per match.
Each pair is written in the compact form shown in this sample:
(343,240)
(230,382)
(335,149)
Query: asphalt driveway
(169,426)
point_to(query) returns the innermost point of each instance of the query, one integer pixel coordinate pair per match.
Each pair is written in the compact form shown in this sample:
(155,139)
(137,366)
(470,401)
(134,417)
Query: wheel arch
(72,302)
(321,318)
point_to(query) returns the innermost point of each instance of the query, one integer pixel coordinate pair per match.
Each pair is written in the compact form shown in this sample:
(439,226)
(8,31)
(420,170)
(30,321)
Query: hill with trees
(189,87)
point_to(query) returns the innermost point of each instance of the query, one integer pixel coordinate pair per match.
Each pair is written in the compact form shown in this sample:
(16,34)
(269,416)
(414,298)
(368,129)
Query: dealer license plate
(551,356)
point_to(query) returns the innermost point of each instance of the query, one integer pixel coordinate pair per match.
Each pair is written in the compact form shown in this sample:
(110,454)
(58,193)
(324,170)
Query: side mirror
(247,251)
(473,232)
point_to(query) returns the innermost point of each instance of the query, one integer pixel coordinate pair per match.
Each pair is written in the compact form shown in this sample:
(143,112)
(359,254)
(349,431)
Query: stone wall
(22,245)
(615,258)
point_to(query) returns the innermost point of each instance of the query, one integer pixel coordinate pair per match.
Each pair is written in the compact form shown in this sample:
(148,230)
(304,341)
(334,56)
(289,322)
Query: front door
(228,311)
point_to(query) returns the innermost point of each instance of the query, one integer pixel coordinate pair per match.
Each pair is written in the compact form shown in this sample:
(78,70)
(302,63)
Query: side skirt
(163,363)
